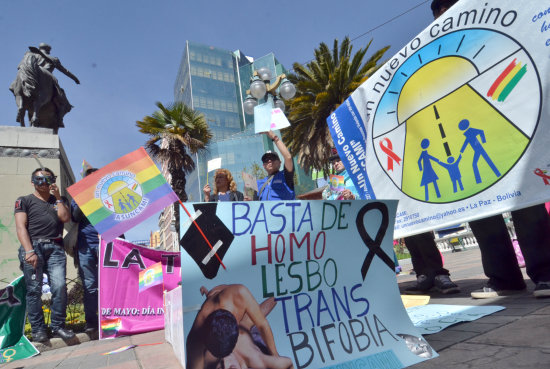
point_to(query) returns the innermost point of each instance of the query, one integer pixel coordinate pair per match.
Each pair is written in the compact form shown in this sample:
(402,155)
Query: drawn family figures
(471,139)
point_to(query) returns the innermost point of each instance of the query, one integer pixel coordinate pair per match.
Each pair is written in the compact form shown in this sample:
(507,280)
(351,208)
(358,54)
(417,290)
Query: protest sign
(278,119)
(316,280)
(262,117)
(13,344)
(455,125)
(130,303)
(434,318)
(122,194)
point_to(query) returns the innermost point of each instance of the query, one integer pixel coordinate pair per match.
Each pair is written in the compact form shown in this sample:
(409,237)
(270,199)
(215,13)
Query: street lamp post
(261,88)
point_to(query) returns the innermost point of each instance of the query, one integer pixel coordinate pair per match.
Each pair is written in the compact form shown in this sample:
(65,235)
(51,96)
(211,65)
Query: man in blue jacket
(278,185)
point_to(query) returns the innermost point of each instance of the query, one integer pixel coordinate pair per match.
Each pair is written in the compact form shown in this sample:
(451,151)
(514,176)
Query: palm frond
(321,86)
(175,131)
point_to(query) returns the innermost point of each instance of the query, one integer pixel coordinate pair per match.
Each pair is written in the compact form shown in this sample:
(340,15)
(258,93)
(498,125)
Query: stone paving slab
(530,331)
(474,356)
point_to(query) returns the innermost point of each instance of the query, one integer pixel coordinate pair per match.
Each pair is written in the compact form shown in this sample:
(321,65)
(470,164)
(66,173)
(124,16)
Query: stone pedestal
(17,147)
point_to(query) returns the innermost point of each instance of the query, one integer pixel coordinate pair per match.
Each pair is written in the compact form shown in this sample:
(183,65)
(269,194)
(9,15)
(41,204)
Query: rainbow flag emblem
(150,277)
(122,194)
(111,325)
(506,81)
(336,183)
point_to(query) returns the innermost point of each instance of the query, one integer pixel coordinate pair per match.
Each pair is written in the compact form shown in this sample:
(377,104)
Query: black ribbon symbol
(374,245)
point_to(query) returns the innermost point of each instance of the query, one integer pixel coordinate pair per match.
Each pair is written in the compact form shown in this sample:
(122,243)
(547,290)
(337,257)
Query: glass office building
(214,81)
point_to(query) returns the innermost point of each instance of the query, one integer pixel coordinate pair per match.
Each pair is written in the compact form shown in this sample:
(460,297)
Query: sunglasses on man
(42,180)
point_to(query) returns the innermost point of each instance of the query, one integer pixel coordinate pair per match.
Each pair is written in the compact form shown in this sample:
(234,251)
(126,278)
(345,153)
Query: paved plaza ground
(516,337)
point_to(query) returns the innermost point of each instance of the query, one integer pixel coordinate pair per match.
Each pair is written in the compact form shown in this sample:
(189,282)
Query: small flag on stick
(85,167)
(213,164)
(150,277)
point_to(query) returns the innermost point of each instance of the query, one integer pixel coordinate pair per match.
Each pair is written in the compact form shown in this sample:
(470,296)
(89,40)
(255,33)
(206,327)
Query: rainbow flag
(85,167)
(336,183)
(111,325)
(506,81)
(123,348)
(122,194)
(150,277)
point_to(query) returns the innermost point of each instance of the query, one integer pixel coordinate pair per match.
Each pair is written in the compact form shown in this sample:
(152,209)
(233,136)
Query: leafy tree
(175,133)
(321,86)
(256,170)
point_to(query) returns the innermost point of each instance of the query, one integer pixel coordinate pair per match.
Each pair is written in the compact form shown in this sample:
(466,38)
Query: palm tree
(175,133)
(321,86)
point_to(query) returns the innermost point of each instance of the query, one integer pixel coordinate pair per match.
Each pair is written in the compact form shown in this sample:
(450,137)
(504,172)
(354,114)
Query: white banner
(456,122)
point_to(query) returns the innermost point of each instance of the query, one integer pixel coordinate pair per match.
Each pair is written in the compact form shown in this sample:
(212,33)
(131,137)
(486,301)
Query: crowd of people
(40,216)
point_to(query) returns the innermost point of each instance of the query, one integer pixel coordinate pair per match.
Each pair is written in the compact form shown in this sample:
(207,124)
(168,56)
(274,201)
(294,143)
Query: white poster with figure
(303,284)
(456,124)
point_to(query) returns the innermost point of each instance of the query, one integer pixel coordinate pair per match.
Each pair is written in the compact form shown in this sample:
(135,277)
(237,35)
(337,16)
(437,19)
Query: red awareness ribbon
(388,150)
(543,175)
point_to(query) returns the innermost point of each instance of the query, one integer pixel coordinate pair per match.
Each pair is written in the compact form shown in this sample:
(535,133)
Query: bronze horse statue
(37,91)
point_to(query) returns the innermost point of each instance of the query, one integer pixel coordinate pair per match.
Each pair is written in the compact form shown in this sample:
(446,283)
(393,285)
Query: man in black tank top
(39,219)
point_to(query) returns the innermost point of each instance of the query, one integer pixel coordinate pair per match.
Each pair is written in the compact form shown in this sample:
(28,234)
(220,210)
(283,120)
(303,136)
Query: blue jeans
(52,261)
(87,269)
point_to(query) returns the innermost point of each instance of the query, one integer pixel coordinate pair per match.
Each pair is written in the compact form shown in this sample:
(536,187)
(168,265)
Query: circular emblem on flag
(457,114)
(149,277)
(122,194)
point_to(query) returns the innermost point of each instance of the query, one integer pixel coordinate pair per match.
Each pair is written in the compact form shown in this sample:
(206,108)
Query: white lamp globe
(264,73)
(257,88)
(287,89)
(249,104)
(280,104)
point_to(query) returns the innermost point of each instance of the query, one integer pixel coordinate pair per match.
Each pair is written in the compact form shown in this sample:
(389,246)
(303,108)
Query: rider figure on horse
(37,91)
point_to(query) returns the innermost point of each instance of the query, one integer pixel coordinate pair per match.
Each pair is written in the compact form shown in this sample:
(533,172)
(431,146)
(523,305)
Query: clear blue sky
(126,53)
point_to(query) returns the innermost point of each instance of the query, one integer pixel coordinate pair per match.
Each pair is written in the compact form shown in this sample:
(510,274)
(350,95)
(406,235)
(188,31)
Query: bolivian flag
(122,194)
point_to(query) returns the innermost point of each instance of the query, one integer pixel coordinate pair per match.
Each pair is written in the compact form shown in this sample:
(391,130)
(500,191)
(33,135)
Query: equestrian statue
(37,91)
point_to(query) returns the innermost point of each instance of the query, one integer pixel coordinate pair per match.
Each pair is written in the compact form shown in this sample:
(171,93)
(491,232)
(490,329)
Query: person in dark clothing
(39,219)
(87,260)
(532,225)
(428,266)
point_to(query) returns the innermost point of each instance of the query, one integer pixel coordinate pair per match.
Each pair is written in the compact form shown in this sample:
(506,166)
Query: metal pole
(198,176)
